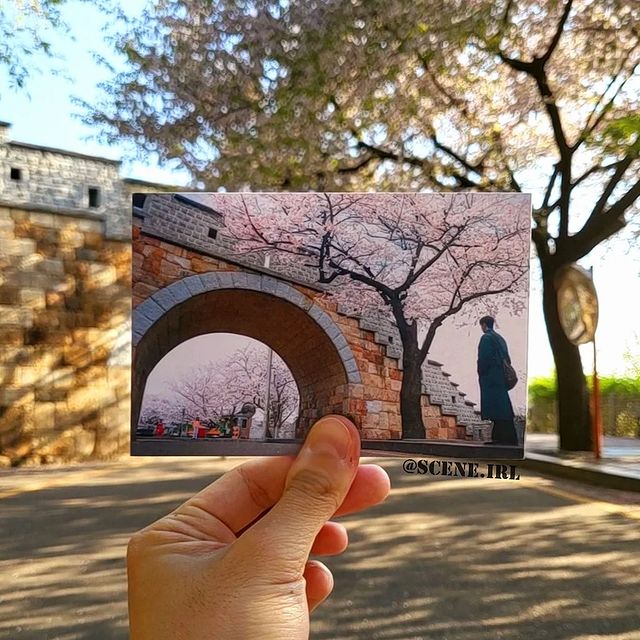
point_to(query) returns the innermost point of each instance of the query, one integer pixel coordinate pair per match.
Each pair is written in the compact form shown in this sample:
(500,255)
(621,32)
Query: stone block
(287,292)
(75,443)
(15,316)
(16,396)
(26,376)
(170,270)
(10,356)
(28,262)
(93,240)
(89,226)
(355,391)
(225,279)
(164,298)
(77,355)
(144,289)
(180,291)
(200,266)
(32,298)
(146,314)
(254,281)
(340,342)
(193,284)
(70,238)
(44,416)
(374,406)
(9,295)
(269,285)
(19,215)
(239,280)
(371,380)
(17,247)
(100,275)
(88,255)
(60,378)
(210,281)
(51,266)
(375,434)
(50,394)
(181,261)
(44,219)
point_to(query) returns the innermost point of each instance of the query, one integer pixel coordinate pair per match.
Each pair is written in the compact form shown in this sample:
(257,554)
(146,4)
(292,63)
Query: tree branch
(558,34)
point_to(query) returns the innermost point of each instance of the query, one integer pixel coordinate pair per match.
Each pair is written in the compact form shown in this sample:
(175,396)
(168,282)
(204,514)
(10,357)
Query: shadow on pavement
(444,559)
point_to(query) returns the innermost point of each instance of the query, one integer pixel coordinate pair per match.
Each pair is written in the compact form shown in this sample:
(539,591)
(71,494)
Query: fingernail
(329,436)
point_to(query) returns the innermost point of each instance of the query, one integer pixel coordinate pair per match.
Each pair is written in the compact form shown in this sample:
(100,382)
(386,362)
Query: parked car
(145,430)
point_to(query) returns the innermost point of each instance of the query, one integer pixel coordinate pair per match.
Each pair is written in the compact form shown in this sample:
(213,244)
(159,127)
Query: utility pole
(267,408)
(595,400)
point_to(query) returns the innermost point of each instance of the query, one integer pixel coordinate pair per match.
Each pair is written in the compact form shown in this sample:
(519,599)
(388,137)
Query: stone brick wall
(64,338)
(170,217)
(43,179)
(374,404)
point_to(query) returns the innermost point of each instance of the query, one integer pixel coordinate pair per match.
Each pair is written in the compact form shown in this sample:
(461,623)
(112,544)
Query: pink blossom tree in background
(157,407)
(221,388)
(420,258)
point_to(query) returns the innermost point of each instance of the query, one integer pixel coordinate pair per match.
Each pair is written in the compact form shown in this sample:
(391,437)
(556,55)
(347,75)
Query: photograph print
(255,314)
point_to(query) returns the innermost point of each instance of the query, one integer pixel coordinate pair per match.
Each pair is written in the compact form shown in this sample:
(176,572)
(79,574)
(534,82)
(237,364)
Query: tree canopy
(221,388)
(25,28)
(375,94)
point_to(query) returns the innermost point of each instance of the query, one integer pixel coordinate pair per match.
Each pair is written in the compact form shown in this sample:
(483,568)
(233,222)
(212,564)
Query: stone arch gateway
(257,306)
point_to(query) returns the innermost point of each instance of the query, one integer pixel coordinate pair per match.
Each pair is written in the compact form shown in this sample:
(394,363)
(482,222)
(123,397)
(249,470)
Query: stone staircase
(444,393)
(437,384)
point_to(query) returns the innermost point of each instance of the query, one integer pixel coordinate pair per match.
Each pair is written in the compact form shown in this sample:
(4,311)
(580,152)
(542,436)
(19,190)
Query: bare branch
(558,33)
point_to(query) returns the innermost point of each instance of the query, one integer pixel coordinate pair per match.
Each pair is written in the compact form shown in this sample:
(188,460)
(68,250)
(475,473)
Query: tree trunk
(574,420)
(411,390)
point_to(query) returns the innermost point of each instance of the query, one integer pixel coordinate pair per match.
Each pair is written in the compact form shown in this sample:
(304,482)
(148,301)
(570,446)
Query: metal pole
(597,414)
(596,418)
(268,400)
(267,263)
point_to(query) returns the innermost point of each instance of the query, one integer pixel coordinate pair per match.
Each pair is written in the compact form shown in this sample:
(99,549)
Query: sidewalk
(619,467)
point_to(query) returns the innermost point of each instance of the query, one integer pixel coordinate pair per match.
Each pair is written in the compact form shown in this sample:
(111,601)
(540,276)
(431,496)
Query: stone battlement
(38,178)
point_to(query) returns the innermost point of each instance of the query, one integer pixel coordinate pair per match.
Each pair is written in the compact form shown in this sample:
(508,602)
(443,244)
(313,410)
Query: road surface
(442,559)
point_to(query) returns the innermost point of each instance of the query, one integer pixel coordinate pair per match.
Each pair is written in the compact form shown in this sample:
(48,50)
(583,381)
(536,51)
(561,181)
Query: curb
(607,476)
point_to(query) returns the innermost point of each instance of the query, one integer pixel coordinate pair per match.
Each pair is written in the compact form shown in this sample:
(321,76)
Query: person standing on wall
(495,404)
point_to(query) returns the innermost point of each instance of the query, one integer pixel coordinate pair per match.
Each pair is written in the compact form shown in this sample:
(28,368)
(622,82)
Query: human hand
(233,561)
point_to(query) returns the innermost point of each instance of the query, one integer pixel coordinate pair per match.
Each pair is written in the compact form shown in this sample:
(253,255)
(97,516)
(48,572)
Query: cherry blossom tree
(517,95)
(159,407)
(419,258)
(221,388)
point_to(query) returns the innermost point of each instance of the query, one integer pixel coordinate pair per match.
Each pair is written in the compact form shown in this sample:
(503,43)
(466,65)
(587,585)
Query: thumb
(315,487)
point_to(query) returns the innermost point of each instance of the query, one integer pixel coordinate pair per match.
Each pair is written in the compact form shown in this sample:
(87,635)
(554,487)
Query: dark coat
(495,403)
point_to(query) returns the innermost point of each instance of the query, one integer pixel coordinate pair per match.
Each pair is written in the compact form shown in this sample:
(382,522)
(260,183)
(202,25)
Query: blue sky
(47,116)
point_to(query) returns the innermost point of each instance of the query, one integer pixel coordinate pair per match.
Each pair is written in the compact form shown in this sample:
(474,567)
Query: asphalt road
(442,559)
